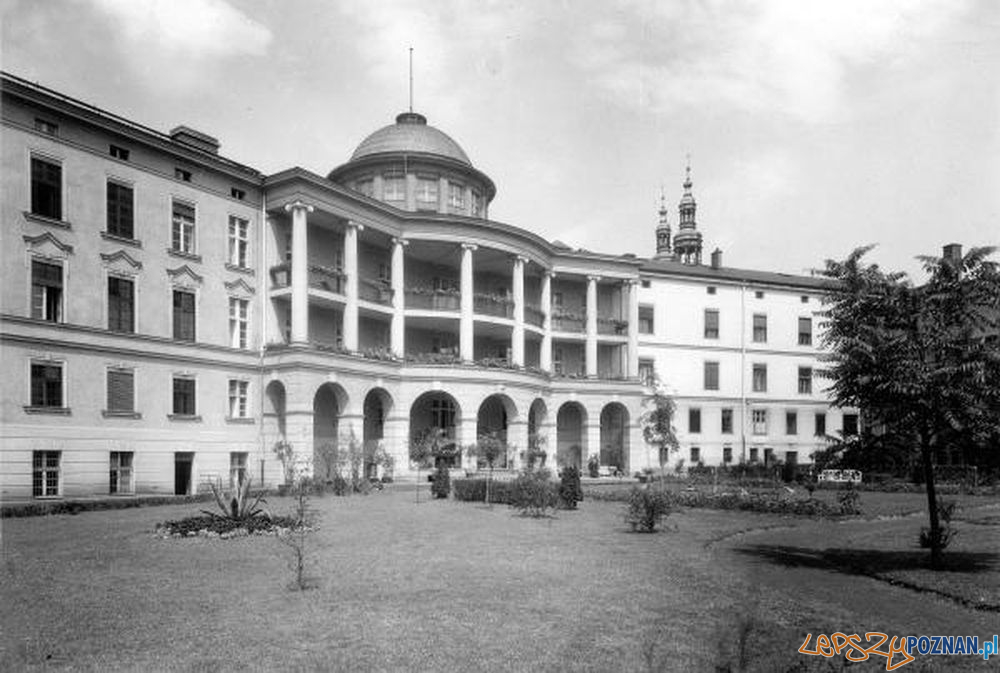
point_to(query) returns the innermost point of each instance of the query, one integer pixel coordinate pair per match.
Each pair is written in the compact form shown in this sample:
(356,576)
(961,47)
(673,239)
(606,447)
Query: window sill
(121,414)
(185,341)
(46,497)
(51,221)
(237,420)
(184,255)
(240,269)
(191,418)
(135,243)
(53,411)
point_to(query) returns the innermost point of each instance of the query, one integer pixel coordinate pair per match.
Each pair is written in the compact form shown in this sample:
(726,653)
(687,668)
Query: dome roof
(411,134)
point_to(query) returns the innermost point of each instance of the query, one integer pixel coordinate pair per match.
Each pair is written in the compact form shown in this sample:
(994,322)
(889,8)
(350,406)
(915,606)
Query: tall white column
(466,325)
(632,355)
(351,285)
(517,334)
(398,329)
(545,359)
(592,326)
(300,271)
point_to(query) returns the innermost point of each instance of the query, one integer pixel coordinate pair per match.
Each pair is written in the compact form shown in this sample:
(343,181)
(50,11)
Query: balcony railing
(612,326)
(493,304)
(442,358)
(320,277)
(433,300)
(533,315)
(568,321)
(377,291)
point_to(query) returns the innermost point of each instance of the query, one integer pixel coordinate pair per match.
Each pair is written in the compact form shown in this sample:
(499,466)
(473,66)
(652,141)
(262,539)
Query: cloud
(781,56)
(192,28)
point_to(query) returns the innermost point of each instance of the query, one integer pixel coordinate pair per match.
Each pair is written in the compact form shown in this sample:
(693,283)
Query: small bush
(533,494)
(594,466)
(945,533)
(646,508)
(570,491)
(849,500)
(441,487)
(474,490)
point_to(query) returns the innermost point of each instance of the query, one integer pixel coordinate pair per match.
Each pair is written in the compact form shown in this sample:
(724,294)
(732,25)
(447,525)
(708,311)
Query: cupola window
(477,203)
(427,194)
(394,188)
(456,197)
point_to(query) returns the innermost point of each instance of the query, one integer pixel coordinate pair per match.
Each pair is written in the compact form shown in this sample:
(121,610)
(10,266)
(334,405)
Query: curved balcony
(433,300)
(613,326)
(375,290)
(495,305)
(533,315)
(568,321)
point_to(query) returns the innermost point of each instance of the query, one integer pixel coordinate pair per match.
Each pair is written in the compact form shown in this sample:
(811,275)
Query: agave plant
(239,505)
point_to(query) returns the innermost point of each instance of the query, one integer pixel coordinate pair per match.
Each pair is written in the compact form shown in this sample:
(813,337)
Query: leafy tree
(658,422)
(424,447)
(489,448)
(921,362)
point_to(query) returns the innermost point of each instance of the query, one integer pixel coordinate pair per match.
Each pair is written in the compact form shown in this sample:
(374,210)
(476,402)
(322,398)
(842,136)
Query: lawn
(452,586)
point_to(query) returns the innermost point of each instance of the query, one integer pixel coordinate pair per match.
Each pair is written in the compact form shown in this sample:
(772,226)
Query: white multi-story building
(169,315)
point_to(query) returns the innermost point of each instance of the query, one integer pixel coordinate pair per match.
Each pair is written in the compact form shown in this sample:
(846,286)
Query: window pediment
(47,245)
(121,262)
(239,288)
(183,276)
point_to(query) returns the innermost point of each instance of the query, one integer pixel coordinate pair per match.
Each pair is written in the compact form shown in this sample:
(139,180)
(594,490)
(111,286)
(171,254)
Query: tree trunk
(489,482)
(932,508)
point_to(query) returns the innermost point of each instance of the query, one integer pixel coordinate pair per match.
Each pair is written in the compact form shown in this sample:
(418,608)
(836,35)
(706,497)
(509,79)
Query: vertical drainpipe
(743,372)
(262,327)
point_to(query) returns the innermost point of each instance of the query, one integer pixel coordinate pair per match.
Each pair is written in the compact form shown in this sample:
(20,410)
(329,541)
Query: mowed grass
(430,587)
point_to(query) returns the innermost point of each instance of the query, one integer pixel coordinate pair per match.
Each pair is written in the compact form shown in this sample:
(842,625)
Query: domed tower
(687,242)
(414,166)
(663,230)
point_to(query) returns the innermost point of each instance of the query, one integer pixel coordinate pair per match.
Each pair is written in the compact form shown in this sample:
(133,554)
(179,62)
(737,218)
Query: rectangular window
(46,188)
(184,396)
(760,378)
(820,426)
(759,421)
(46,127)
(427,194)
(184,315)
(805,331)
(694,420)
(456,197)
(805,380)
(238,398)
(645,320)
(727,421)
(237,193)
(647,372)
(46,290)
(120,481)
(238,321)
(753,454)
(394,188)
(695,455)
(477,203)
(121,391)
(182,239)
(237,468)
(711,323)
(121,304)
(238,241)
(45,473)
(768,456)
(759,294)
(47,385)
(557,361)
(120,210)
(727,455)
(710,289)
(557,299)
(850,425)
(759,328)
(117,152)
(182,175)
(711,376)
(791,423)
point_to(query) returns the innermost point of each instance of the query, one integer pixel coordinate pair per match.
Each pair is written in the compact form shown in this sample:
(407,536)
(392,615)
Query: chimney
(186,135)
(716,259)
(953,252)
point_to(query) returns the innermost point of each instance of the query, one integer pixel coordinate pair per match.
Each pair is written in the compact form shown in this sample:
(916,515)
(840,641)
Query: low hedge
(45,507)
(473,489)
(752,502)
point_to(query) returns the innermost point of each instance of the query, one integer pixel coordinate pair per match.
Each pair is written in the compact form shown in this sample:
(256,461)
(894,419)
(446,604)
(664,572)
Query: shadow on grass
(880,565)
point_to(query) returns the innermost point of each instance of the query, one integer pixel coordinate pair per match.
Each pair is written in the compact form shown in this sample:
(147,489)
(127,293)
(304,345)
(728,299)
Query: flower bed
(750,502)
(216,526)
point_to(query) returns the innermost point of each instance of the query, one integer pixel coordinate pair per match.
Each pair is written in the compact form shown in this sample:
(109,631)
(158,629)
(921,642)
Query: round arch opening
(437,411)
(493,420)
(615,437)
(571,435)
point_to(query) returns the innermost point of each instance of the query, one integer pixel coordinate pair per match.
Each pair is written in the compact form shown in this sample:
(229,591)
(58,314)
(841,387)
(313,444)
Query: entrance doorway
(183,464)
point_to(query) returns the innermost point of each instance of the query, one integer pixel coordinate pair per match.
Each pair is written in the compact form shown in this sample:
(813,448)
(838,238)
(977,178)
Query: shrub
(849,500)
(646,508)
(238,505)
(570,491)
(945,533)
(533,494)
(474,490)
(441,486)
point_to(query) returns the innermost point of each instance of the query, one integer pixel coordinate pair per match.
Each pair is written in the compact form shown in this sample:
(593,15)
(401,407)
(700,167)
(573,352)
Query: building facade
(169,315)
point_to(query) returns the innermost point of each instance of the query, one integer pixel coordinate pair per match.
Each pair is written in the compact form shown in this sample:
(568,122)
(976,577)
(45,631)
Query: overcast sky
(812,127)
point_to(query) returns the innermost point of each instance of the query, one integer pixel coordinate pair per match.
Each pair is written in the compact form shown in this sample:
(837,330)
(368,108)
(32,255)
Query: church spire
(663,229)
(687,243)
